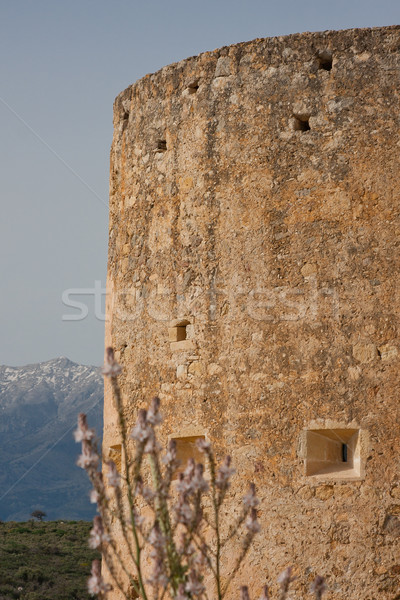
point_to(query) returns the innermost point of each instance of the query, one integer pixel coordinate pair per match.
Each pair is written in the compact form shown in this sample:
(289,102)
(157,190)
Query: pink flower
(94,496)
(184,513)
(181,595)
(83,432)
(198,483)
(183,487)
(158,542)
(194,585)
(203,445)
(265,593)
(111,368)
(96,584)
(89,457)
(138,520)
(244,593)
(189,471)
(250,500)
(142,430)
(156,538)
(318,587)
(148,494)
(170,455)
(97,534)
(158,576)
(113,476)
(224,474)
(153,414)
(285,579)
(252,524)
(151,444)
(98,491)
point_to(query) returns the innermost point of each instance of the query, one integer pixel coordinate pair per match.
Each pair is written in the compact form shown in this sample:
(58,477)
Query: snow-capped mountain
(39,405)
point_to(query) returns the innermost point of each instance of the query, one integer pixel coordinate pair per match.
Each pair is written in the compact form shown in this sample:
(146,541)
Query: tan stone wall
(276,247)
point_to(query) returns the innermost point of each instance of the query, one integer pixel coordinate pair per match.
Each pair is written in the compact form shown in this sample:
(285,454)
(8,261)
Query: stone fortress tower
(253,284)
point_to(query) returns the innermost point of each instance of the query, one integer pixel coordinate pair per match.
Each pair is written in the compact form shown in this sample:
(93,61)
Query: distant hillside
(45,561)
(39,405)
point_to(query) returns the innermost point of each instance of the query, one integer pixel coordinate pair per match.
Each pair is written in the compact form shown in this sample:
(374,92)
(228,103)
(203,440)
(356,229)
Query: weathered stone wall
(255,202)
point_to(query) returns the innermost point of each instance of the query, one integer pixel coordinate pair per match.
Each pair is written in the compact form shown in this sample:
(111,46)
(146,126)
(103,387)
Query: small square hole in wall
(186,448)
(161,146)
(333,452)
(193,86)
(324,60)
(179,332)
(115,454)
(301,123)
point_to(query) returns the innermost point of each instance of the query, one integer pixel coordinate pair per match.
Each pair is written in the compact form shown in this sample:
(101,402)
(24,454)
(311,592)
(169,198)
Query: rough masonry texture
(253,285)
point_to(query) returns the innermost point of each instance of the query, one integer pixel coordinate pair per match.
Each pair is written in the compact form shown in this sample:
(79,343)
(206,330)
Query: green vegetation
(45,560)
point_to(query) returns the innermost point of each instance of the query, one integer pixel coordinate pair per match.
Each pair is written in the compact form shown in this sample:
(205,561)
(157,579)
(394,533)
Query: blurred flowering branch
(184,536)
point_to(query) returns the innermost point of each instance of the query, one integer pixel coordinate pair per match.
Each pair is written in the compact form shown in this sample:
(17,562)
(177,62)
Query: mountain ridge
(39,404)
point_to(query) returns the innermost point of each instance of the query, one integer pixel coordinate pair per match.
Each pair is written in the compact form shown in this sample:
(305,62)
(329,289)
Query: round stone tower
(253,285)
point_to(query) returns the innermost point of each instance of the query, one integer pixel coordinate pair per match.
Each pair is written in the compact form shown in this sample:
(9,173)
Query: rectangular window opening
(186,448)
(179,332)
(301,123)
(115,454)
(334,453)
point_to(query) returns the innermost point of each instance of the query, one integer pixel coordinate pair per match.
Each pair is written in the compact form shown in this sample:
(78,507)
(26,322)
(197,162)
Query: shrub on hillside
(47,566)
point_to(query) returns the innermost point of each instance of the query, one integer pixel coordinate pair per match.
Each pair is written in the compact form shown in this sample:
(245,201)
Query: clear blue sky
(62,64)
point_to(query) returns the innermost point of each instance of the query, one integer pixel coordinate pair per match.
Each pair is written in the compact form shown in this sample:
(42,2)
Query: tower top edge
(370,36)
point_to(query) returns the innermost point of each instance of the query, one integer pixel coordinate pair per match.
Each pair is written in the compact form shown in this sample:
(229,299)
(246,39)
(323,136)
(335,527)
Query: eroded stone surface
(280,247)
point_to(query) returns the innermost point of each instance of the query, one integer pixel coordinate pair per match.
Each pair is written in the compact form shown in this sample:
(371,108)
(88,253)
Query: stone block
(184,346)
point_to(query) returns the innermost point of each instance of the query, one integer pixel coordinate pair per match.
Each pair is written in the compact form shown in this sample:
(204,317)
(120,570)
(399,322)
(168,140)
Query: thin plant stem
(123,430)
(165,522)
